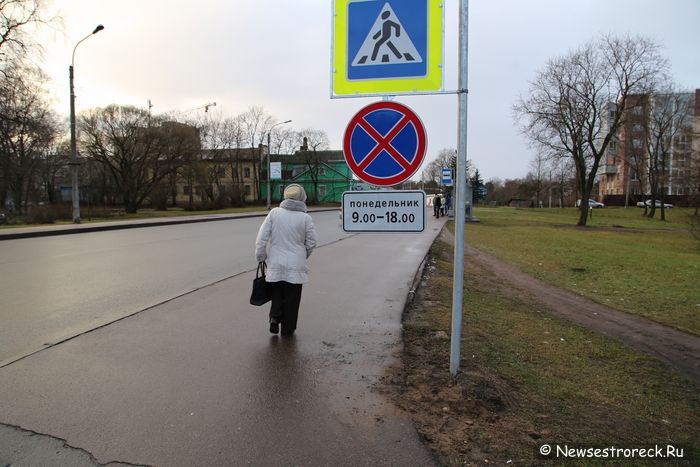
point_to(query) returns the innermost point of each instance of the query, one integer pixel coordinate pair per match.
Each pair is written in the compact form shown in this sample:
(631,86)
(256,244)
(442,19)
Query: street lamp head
(98,29)
(288,121)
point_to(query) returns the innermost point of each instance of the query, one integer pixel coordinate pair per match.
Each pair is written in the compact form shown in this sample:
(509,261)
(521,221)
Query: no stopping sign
(384,143)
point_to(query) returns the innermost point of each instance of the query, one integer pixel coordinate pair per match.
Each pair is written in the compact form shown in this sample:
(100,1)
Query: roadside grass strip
(529,378)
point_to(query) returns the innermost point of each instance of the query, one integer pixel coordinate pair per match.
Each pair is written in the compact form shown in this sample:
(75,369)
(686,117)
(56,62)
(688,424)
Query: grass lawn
(621,259)
(528,378)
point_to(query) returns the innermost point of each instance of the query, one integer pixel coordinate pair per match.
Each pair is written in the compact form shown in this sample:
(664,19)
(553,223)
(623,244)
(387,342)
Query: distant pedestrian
(285,240)
(437,205)
(448,202)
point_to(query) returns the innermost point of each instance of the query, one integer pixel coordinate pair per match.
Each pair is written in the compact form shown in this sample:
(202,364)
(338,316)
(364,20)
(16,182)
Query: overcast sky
(276,54)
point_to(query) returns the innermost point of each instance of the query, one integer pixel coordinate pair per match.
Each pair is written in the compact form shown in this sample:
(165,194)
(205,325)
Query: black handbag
(262,292)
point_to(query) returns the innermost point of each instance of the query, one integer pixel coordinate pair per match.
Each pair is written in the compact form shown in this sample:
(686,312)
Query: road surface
(57,287)
(198,380)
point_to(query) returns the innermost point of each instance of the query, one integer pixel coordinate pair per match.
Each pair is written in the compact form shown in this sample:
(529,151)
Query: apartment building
(623,174)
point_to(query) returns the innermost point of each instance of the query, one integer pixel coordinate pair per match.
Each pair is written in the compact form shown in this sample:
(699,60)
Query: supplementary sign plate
(384,211)
(384,143)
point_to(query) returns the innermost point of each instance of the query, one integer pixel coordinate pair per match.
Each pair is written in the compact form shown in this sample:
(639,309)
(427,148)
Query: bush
(48,214)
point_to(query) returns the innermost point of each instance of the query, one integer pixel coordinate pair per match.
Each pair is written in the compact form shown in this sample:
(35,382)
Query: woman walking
(285,240)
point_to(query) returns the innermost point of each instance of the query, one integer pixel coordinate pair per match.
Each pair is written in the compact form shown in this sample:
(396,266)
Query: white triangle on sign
(387,43)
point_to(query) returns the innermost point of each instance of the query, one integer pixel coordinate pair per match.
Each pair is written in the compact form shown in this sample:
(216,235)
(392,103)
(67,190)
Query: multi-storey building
(623,172)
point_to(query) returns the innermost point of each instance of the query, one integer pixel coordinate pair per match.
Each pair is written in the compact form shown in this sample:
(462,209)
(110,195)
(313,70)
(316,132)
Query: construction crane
(205,107)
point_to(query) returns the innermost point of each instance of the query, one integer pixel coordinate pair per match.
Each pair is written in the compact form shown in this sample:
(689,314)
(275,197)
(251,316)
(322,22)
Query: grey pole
(460,198)
(75,165)
(269,204)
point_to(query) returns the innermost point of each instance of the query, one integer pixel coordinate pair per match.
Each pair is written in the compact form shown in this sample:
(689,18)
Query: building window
(246,172)
(682,141)
(612,147)
(322,191)
(637,110)
(637,143)
(247,190)
(637,127)
(217,172)
(186,190)
(321,171)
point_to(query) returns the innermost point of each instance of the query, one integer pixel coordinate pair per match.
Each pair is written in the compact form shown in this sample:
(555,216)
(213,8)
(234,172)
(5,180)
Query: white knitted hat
(295,192)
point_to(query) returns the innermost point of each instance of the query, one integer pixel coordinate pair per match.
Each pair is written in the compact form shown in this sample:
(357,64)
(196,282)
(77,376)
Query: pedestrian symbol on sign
(387,43)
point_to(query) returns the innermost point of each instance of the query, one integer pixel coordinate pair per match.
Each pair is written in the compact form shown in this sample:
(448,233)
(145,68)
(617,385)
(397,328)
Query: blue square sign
(387,39)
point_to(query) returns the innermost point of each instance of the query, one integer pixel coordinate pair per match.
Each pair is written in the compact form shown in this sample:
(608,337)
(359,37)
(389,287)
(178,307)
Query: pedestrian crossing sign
(387,46)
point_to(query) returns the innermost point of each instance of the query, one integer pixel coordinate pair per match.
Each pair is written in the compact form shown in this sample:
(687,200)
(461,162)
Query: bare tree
(433,170)
(27,129)
(563,177)
(232,142)
(576,104)
(255,123)
(52,164)
(311,141)
(537,174)
(665,120)
(431,173)
(138,150)
(283,141)
(693,174)
(210,172)
(16,16)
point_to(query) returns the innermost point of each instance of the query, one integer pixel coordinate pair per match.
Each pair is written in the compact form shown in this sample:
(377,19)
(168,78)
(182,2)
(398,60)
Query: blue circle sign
(384,143)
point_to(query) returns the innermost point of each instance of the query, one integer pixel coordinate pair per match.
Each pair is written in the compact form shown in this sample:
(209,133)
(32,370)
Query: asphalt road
(198,380)
(54,288)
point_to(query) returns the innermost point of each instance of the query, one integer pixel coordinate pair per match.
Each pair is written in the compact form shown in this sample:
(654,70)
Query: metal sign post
(389,48)
(460,199)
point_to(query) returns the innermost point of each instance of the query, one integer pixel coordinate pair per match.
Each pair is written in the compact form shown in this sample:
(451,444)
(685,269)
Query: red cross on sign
(384,143)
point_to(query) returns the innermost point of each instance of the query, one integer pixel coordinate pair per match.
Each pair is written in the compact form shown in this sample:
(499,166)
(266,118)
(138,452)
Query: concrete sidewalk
(199,380)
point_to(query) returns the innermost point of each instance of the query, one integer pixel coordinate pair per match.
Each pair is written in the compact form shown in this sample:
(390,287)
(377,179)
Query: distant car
(591,204)
(657,204)
(3,219)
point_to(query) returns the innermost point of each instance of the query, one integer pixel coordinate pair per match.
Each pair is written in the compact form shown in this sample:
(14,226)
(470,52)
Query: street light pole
(268,160)
(73,151)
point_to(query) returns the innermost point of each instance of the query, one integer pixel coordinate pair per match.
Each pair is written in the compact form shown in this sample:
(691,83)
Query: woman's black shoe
(274,326)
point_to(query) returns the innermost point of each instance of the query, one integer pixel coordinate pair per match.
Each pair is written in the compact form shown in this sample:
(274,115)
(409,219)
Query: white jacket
(292,238)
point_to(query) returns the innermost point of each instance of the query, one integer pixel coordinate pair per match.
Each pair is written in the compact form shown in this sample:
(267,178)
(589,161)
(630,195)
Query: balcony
(610,169)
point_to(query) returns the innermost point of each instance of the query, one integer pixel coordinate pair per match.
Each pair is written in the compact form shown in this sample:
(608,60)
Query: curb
(50,232)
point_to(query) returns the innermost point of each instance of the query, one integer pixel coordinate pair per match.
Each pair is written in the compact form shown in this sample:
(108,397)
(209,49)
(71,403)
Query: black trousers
(286,298)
